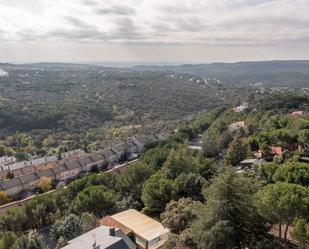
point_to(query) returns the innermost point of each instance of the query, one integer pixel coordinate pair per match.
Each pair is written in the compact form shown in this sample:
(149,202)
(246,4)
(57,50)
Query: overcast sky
(176,31)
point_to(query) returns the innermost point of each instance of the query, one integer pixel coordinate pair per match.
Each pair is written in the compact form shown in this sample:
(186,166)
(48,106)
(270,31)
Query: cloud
(223,22)
(115,10)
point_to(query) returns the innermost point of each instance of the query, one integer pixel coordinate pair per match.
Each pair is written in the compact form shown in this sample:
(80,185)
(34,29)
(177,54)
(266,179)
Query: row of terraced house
(62,171)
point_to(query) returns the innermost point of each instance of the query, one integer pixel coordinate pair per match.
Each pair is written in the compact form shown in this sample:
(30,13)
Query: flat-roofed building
(149,233)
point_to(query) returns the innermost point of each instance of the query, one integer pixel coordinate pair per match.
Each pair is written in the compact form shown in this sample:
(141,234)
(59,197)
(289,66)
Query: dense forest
(70,105)
(202,196)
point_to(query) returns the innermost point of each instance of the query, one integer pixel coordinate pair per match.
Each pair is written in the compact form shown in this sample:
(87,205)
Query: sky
(153,31)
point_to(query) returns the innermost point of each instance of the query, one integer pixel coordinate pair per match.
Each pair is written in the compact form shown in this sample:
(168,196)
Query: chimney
(112,231)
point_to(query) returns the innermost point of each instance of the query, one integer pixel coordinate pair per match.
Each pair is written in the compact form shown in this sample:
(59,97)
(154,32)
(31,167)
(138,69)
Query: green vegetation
(201,195)
(66,107)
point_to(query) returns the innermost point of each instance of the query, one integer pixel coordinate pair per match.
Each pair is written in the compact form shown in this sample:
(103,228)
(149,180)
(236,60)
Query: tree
(8,240)
(303,136)
(130,182)
(267,171)
(210,148)
(68,228)
(9,175)
(36,242)
(179,161)
(236,152)
(45,184)
(178,215)
(189,185)
(6,151)
(293,172)
(59,153)
(205,166)
(224,140)
(40,210)
(21,156)
(229,218)
(88,221)
(301,232)
(33,241)
(174,242)
(128,202)
(4,198)
(281,203)
(95,199)
(155,157)
(15,220)
(157,192)
(49,142)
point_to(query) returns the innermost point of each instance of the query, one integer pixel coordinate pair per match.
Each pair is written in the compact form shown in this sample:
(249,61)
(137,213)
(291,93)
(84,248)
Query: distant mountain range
(270,73)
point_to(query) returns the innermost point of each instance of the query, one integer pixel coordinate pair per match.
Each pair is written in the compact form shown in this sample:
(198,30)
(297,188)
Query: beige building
(149,233)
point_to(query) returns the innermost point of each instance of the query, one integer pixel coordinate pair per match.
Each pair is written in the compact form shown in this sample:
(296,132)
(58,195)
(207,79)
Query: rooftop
(249,160)
(111,222)
(29,178)
(100,238)
(141,224)
(12,183)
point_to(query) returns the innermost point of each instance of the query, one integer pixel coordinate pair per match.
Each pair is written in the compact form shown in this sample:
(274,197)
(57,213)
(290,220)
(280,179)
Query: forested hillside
(75,102)
(269,73)
(208,198)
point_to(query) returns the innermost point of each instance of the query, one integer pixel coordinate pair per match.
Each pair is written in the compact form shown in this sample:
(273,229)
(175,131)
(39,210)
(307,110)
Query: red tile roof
(111,222)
